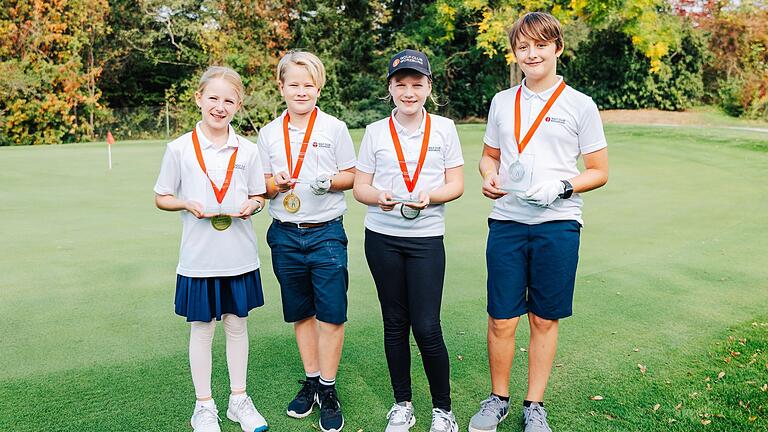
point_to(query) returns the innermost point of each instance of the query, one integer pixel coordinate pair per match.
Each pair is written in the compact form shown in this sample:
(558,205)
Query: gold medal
(221,222)
(291,202)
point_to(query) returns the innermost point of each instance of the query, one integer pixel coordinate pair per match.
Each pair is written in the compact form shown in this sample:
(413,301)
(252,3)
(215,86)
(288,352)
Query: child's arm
(364,192)
(452,189)
(343,180)
(171,203)
(595,174)
(489,169)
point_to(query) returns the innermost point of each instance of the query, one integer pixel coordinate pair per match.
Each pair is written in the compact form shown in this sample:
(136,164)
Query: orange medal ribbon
(220,193)
(522,144)
(303,150)
(410,184)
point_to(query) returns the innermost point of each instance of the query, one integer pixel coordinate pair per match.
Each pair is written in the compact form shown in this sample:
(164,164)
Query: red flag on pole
(110,138)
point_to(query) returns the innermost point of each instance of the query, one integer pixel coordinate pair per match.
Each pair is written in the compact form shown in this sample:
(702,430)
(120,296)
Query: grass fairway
(672,274)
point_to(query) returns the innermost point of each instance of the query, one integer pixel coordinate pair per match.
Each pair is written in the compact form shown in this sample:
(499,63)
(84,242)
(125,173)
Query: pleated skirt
(205,299)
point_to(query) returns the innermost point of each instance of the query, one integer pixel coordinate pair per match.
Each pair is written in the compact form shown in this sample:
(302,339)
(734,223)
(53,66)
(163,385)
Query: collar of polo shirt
(528,93)
(205,143)
(402,130)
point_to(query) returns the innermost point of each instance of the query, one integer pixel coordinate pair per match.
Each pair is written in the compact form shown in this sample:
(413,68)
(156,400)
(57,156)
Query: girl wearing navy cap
(409,165)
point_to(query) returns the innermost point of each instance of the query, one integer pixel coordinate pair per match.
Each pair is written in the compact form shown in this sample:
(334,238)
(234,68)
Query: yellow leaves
(596,398)
(643,368)
(720,375)
(656,407)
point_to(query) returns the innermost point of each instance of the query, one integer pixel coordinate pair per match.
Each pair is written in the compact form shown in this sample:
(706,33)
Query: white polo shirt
(378,157)
(204,251)
(572,127)
(330,150)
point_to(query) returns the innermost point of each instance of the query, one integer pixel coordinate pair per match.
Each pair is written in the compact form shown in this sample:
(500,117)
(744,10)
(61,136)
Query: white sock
(313,374)
(208,404)
(326,382)
(235,398)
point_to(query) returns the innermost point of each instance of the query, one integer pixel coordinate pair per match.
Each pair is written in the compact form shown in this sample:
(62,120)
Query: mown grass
(672,262)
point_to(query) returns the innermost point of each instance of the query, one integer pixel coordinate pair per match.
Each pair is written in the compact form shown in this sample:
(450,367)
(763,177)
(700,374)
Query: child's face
(410,92)
(218,103)
(537,59)
(299,90)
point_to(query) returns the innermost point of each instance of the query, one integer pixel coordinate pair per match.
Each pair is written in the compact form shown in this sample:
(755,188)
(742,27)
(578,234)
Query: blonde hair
(537,26)
(305,59)
(222,72)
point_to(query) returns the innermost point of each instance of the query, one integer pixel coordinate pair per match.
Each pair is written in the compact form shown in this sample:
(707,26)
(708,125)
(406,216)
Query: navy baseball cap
(409,59)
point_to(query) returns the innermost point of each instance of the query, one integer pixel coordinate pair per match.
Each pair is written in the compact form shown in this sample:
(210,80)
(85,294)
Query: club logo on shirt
(324,145)
(435,148)
(555,120)
(240,166)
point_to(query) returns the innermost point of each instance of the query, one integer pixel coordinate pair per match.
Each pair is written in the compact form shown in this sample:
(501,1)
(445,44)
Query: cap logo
(396,62)
(546,119)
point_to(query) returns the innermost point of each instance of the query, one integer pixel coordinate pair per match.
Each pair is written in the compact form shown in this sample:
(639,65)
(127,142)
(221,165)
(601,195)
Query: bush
(617,75)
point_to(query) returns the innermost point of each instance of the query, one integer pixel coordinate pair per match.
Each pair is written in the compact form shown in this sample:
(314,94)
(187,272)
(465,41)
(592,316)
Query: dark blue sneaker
(331,419)
(301,405)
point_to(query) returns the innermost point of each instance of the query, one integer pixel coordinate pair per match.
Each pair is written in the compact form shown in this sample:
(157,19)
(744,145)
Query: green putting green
(673,255)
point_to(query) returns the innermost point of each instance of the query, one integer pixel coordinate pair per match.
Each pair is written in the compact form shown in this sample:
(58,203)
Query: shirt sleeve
(345,149)
(590,130)
(169,179)
(453,156)
(261,143)
(366,159)
(491,137)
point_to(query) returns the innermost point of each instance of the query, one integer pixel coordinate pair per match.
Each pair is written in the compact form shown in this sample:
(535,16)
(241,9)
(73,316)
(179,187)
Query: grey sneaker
(535,417)
(443,421)
(492,411)
(400,417)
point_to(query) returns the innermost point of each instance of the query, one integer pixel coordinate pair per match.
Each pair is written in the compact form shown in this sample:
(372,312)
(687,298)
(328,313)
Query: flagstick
(109,153)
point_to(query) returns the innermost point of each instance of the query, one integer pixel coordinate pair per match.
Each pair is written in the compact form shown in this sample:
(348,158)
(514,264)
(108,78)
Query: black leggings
(409,273)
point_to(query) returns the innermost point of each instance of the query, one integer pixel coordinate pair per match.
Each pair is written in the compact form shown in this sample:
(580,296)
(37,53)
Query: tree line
(71,69)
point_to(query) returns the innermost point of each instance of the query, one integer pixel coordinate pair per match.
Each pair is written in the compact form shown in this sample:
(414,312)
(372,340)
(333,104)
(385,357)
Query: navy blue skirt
(203,299)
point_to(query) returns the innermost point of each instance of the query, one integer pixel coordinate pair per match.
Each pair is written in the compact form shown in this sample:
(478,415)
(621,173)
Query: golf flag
(110,141)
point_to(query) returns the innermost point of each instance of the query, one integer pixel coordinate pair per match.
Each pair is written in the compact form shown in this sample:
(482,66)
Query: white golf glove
(543,194)
(321,185)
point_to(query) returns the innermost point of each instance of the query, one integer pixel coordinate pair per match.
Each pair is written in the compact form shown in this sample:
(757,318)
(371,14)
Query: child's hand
(385,201)
(250,207)
(282,181)
(195,208)
(491,183)
(423,201)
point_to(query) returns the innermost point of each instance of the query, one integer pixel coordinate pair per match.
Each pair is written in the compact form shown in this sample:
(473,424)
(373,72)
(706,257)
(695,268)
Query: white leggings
(200,342)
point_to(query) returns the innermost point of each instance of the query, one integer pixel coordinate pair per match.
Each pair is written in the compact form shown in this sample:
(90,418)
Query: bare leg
(330,342)
(307,340)
(541,354)
(501,352)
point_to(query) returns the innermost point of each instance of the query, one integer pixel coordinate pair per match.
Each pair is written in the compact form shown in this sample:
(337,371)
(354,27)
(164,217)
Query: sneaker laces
(536,414)
(398,414)
(206,415)
(245,407)
(307,391)
(491,406)
(329,400)
(441,420)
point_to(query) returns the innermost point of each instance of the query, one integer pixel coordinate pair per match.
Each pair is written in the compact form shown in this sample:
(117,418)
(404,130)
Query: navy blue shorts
(208,298)
(311,266)
(531,268)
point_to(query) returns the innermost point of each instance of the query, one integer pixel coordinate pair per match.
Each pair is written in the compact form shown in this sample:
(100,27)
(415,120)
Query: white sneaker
(443,421)
(400,417)
(241,410)
(205,418)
